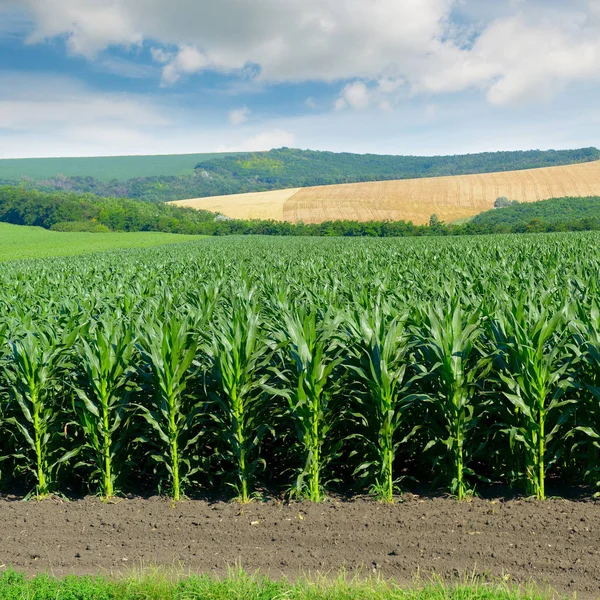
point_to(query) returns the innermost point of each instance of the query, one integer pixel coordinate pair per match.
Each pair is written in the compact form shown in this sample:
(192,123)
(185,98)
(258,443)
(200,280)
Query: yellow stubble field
(415,200)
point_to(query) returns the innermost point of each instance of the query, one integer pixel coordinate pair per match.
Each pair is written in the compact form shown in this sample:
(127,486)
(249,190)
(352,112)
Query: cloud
(52,115)
(265,140)
(311,103)
(354,95)
(512,51)
(239,115)
(186,61)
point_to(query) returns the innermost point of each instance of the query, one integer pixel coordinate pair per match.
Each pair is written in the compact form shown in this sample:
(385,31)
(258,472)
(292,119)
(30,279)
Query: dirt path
(556,542)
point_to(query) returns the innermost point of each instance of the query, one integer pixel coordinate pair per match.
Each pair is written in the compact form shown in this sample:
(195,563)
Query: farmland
(309,370)
(451,198)
(20,242)
(102,168)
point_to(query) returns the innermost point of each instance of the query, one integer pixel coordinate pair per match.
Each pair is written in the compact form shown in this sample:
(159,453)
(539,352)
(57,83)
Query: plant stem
(174,448)
(108,484)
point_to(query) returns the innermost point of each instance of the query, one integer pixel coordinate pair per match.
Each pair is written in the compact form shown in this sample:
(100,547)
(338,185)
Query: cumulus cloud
(354,95)
(514,51)
(239,115)
(187,60)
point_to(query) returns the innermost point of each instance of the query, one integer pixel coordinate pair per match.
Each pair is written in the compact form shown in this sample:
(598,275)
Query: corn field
(241,367)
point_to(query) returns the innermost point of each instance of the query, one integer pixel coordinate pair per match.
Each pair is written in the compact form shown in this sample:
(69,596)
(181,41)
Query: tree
(434,221)
(502,202)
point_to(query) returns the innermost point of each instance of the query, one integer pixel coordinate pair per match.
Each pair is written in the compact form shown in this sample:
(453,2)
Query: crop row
(249,364)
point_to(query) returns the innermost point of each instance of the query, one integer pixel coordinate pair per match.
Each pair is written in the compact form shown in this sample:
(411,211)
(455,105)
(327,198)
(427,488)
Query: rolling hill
(103,168)
(451,198)
(175,177)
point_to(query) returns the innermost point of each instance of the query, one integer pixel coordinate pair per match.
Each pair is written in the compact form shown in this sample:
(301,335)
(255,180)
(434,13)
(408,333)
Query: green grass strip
(21,242)
(240,586)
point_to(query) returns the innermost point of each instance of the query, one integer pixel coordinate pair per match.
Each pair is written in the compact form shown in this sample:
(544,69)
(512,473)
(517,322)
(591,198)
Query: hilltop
(164,178)
(450,198)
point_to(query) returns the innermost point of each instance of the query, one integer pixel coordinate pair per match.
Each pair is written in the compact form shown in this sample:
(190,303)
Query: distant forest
(288,168)
(66,211)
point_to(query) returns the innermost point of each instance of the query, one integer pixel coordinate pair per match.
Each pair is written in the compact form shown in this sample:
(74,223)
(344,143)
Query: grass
(20,242)
(103,168)
(240,586)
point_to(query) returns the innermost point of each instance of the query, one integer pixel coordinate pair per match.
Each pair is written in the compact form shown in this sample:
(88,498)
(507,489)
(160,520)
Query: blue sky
(104,77)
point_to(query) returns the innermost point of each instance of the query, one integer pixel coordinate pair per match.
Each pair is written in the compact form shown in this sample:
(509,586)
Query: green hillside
(556,214)
(103,168)
(283,168)
(19,242)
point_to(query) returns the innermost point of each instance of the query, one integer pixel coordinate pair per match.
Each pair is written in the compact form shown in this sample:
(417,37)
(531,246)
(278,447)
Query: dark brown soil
(555,542)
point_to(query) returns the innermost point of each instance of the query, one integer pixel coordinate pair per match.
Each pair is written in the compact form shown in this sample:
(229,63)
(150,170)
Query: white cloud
(354,95)
(311,103)
(239,115)
(50,115)
(187,60)
(513,51)
(265,140)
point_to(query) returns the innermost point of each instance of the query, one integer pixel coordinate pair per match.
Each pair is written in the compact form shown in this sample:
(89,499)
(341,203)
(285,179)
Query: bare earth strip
(255,205)
(413,200)
(556,542)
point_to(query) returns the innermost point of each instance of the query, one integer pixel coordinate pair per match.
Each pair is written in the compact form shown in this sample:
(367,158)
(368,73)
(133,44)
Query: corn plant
(380,347)
(168,347)
(533,368)
(312,352)
(452,364)
(584,322)
(106,363)
(239,353)
(33,370)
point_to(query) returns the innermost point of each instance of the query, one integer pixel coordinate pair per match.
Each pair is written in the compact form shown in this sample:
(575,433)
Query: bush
(80,226)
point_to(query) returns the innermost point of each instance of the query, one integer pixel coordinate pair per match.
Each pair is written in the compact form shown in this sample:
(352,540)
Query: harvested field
(554,542)
(257,205)
(413,200)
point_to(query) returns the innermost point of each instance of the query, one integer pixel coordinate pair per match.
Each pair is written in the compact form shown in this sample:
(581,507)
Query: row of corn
(303,366)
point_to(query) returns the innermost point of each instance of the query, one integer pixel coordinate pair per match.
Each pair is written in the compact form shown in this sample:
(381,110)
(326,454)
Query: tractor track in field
(554,543)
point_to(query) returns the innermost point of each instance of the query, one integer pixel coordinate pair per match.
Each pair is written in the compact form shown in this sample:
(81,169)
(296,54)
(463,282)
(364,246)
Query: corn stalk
(33,370)
(312,352)
(168,347)
(452,364)
(380,349)
(106,361)
(532,361)
(239,353)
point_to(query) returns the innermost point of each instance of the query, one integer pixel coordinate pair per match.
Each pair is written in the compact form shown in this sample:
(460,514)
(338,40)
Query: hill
(102,168)
(413,200)
(159,179)
(19,242)
(66,211)
(554,214)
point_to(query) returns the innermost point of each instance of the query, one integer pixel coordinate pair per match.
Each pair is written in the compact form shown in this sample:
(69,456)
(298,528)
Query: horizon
(393,77)
(17,158)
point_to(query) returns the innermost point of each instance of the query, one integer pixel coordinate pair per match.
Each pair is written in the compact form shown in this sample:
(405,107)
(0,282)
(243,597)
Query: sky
(114,77)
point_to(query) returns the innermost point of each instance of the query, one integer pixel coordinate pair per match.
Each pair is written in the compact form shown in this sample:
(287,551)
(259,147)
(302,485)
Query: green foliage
(556,214)
(168,347)
(239,353)
(20,242)
(313,365)
(276,169)
(65,211)
(239,585)
(106,366)
(102,168)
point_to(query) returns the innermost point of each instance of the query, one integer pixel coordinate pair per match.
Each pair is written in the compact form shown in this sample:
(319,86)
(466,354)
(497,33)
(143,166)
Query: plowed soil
(554,543)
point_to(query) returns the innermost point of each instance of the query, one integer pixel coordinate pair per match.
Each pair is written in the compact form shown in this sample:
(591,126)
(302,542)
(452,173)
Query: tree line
(66,211)
(289,168)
